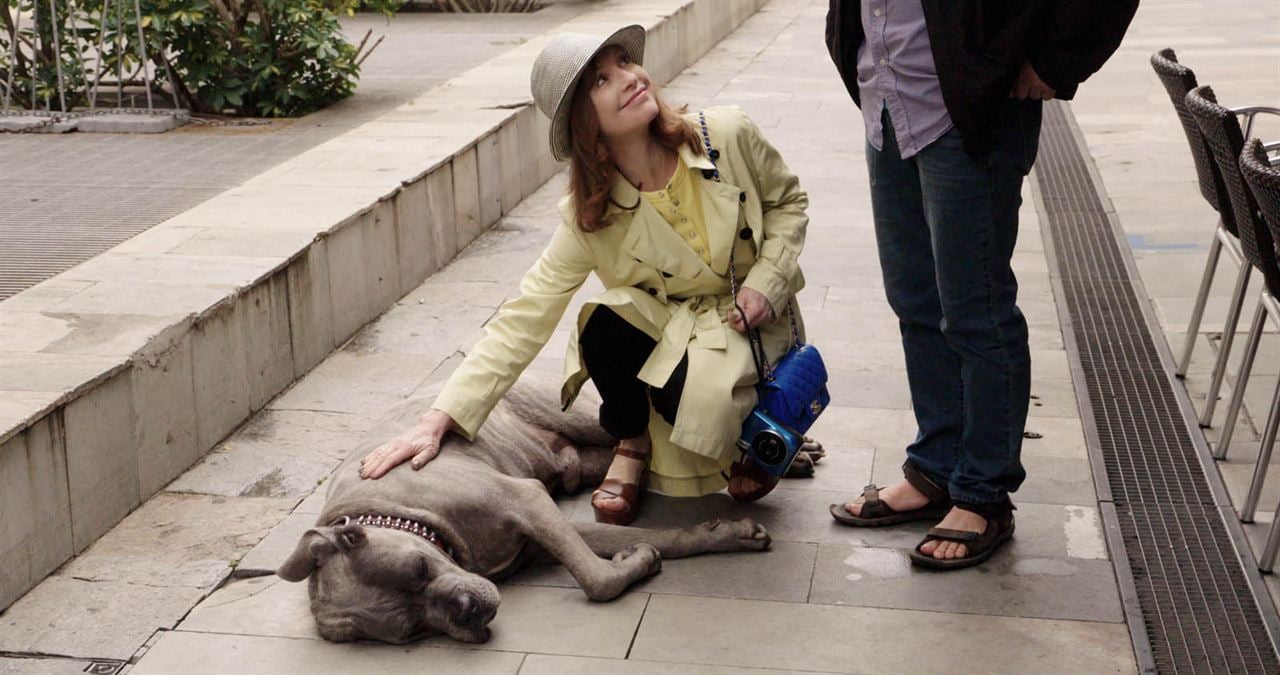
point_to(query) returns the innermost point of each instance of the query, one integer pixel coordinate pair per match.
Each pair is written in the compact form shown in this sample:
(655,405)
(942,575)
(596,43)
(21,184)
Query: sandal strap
(642,456)
(927,487)
(962,536)
(871,495)
(618,489)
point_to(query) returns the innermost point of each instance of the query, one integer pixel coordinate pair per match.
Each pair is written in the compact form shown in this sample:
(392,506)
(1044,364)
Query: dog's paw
(645,555)
(736,535)
(802,467)
(813,449)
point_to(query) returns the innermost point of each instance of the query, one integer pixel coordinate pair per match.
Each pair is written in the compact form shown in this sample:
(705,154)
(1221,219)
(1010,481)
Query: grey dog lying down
(414,553)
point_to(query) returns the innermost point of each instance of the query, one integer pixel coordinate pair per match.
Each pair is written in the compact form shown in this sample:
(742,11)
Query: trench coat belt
(700,317)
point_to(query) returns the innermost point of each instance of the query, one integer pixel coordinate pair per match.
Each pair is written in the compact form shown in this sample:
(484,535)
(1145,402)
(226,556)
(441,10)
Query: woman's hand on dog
(756,307)
(420,443)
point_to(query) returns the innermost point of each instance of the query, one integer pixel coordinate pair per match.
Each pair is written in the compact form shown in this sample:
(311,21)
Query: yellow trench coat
(656,281)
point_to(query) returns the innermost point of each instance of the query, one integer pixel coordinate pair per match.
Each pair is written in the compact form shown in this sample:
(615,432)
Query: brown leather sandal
(979,545)
(629,493)
(876,513)
(747,469)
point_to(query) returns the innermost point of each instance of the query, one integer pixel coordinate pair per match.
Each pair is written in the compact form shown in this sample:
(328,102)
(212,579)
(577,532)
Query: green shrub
(271,58)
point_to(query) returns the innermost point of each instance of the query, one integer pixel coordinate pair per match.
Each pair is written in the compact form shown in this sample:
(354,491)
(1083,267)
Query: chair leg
(1197,311)
(1267,561)
(1242,378)
(1228,336)
(1264,459)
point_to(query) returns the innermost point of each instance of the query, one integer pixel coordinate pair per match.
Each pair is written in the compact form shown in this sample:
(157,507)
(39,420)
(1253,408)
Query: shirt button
(653,291)
(684,220)
(742,196)
(884,62)
(877,12)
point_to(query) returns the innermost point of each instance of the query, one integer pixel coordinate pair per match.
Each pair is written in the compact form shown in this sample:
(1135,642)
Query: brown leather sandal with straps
(978,545)
(876,513)
(629,493)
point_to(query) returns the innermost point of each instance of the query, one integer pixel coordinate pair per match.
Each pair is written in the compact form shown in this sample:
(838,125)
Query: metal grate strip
(1196,596)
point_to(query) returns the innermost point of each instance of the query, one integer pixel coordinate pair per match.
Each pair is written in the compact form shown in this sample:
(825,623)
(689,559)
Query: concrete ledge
(118,375)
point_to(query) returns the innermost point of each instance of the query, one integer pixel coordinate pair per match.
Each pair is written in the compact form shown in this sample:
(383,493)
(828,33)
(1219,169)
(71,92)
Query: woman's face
(620,94)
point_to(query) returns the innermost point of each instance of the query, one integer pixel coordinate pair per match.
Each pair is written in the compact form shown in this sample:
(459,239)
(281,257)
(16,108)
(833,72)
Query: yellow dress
(673,470)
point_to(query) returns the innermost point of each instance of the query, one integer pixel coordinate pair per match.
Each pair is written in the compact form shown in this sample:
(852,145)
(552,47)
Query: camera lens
(769,448)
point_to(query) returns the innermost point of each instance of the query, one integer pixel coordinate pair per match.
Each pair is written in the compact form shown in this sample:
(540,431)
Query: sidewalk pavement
(825,598)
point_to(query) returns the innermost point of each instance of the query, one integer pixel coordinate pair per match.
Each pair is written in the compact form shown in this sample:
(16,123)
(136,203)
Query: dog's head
(381,584)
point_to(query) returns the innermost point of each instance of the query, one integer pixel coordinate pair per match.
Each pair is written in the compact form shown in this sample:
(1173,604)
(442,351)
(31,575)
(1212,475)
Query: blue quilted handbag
(794,390)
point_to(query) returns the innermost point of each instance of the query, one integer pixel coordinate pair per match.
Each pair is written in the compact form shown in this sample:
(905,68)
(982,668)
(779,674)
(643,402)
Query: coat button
(745,234)
(714,154)
(666,275)
(653,291)
(708,173)
(742,196)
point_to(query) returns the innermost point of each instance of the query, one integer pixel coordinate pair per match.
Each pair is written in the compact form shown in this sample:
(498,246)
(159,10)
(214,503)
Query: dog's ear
(349,537)
(311,552)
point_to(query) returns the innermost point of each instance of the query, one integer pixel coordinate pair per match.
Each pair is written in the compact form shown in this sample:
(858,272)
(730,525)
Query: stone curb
(118,375)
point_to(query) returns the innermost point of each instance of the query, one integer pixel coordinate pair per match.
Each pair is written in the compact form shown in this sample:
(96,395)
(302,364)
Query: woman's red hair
(592,171)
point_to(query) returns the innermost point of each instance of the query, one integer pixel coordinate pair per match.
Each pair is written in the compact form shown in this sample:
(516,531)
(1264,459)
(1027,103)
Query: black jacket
(979,47)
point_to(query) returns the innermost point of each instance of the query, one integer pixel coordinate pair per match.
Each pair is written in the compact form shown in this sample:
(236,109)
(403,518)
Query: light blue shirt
(896,72)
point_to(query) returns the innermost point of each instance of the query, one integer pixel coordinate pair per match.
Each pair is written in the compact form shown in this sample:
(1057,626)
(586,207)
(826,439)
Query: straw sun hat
(559,67)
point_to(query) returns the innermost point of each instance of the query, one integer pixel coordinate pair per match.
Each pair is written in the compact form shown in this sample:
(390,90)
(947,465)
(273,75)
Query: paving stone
(542,664)
(431,330)
(844,469)
(279,453)
(684,629)
(132,123)
(350,382)
(197,653)
(275,548)
(782,573)
(1050,479)
(60,373)
(313,504)
(105,619)
(179,541)
(1006,585)
(42,666)
(531,618)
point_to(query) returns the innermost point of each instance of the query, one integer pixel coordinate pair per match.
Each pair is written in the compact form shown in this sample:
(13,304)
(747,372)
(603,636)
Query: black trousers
(614,351)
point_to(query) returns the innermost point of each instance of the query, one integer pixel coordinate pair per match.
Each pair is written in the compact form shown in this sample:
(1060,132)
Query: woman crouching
(660,204)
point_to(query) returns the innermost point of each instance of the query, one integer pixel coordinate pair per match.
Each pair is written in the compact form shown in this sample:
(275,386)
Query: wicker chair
(1225,140)
(1263,181)
(1178,80)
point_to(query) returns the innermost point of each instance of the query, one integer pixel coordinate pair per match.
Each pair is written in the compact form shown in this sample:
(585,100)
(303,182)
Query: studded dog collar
(401,524)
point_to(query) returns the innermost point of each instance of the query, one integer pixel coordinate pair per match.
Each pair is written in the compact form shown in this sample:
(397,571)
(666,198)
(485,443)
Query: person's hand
(420,442)
(756,307)
(1029,85)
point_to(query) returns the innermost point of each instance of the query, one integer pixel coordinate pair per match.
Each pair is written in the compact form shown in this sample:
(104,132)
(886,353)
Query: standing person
(658,217)
(950,92)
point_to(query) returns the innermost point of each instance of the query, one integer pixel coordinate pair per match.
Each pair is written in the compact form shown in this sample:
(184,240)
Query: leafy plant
(270,58)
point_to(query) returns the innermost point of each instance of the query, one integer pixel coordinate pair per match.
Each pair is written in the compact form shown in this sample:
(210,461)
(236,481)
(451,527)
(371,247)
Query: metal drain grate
(1196,597)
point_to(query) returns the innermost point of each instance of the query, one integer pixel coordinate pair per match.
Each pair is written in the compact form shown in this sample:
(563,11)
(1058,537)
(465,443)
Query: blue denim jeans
(945,228)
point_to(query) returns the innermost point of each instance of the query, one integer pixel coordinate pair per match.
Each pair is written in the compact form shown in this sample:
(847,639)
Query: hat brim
(631,39)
